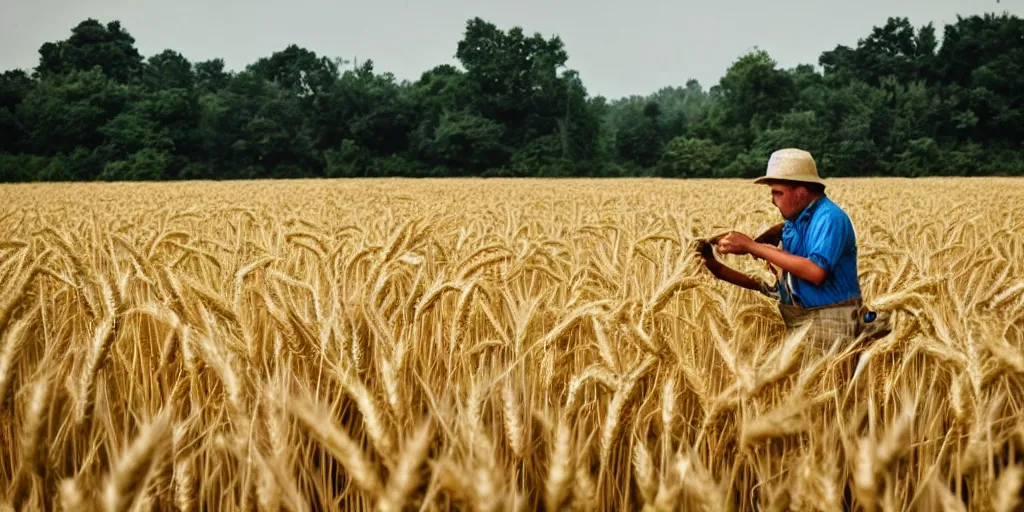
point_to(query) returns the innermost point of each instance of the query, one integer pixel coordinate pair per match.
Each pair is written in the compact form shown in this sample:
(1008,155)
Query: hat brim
(770,179)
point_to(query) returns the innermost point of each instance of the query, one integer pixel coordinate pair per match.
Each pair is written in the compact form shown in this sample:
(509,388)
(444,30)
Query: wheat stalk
(405,476)
(134,467)
(33,437)
(339,444)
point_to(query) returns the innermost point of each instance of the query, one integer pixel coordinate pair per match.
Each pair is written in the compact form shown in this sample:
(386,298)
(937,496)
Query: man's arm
(723,272)
(732,276)
(798,266)
(829,235)
(772,235)
(738,243)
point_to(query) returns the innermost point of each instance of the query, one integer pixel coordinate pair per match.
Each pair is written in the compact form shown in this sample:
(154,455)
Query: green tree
(92,44)
(754,95)
(896,103)
(893,50)
(513,80)
(690,158)
(146,164)
(297,70)
(168,70)
(797,129)
(638,139)
(14,87)
(66,112)
(210,75)
(469,143)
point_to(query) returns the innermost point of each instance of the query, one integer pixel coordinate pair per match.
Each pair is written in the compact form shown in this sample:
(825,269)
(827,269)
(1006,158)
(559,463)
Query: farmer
(817,261)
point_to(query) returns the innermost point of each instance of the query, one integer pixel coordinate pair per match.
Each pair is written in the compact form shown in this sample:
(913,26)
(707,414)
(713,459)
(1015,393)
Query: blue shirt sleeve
(829,236)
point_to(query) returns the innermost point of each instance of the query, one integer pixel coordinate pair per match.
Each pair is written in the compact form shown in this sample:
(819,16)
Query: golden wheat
(497,345)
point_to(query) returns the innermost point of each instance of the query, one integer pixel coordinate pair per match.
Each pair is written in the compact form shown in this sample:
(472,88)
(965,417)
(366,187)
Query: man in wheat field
(813,253)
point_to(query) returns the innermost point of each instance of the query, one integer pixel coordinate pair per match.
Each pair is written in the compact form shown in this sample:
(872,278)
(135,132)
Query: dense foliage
(898,104)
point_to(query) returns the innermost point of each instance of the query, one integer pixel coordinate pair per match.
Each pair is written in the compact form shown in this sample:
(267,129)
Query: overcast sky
(619,47)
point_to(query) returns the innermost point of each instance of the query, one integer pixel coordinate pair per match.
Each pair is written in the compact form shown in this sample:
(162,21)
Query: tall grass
(496,345)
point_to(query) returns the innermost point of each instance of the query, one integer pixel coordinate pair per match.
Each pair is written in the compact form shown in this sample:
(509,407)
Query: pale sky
(619,47)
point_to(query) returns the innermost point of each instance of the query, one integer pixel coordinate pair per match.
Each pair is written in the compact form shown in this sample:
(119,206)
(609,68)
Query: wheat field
(497,345)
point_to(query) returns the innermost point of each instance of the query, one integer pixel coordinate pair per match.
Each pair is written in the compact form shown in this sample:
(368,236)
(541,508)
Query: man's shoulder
(830,217)
(829,210)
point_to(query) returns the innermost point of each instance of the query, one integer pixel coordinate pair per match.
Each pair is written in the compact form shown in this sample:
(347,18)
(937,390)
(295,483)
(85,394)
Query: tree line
(897,104)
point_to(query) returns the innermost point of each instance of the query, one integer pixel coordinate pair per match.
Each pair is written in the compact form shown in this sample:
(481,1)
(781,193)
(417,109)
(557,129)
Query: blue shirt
(823,234)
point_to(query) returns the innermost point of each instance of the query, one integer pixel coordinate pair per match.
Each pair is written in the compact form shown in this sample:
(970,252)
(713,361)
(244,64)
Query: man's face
(790,199)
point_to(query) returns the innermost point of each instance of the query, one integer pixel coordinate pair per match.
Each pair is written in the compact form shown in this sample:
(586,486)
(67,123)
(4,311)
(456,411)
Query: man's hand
(735,243)
(706,251)
(738,243)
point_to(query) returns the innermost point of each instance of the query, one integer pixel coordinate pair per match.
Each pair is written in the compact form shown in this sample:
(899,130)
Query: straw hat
(791,165)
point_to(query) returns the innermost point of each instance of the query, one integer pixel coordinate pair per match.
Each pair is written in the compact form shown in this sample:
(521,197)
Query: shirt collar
(809,210)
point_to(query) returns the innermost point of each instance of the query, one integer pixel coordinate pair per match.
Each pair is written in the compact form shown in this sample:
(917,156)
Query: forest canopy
(899,103)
